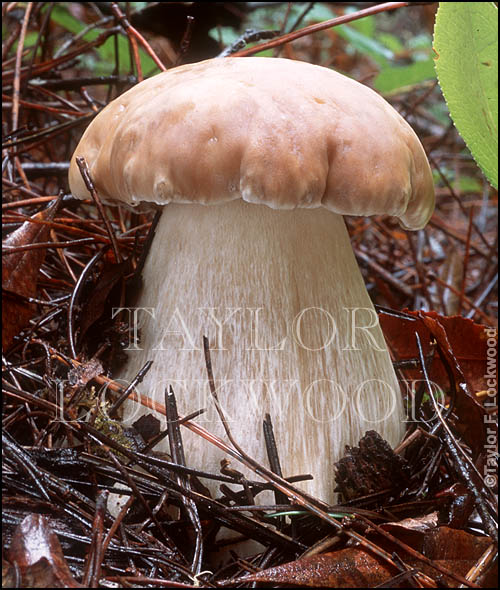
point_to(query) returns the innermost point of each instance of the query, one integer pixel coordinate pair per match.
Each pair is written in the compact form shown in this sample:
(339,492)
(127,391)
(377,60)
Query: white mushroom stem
(292,332)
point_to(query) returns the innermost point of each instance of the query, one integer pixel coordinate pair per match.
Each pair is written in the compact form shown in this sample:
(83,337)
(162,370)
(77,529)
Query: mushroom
(257,160)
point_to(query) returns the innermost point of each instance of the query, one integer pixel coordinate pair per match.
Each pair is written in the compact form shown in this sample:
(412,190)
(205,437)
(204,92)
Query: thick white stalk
(292,332)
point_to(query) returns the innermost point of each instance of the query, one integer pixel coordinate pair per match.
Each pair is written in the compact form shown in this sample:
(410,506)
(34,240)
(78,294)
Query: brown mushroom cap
(273,131)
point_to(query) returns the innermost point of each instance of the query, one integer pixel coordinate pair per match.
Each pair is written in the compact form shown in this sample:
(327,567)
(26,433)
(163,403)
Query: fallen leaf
(100,288)
(464,346)
(148,426)
(420,524)
(347,568)
(452,544)
(357,567)
(461,504)
(16,314)
(466,339)
(36,553)
(20,273)
(470,412)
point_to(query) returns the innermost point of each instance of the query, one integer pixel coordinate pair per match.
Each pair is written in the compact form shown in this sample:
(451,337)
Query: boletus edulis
(256,160)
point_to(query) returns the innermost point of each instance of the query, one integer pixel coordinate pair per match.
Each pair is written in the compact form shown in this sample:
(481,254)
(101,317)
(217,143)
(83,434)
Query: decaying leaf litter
(62,460)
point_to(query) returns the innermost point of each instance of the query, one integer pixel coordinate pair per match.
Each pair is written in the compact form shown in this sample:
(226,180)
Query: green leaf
(365,25)
(422,41)
(379,52)
(466,46)
(107,57)
(393,78)
(391,42)
(319,12)
(63,18)
(467,184)
(227,35)
(106,52)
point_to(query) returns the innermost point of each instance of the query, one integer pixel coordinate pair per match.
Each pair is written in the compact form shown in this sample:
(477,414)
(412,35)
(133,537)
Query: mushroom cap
(272,131)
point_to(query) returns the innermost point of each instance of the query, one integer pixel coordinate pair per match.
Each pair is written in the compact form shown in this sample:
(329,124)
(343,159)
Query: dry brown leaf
(464,346)
(93,307)
(20,273)
(36,553)
(466,339)
(355,567)
(347,568)
(420,524)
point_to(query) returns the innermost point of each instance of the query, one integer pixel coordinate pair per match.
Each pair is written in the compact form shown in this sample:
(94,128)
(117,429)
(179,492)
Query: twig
(459,455)
(273,455)
(482,565)
(249,36)
(457,199)
(479,301)
(17,69)
(177,453)
(282,485)
(466,262)
(89,184)
(308,7)
(333,22)
(186,39)
(134,33)
(93,569)
(475,309)
(74,296)
(133,384)
(386,276)
(139,496)
(47,66)
(14,249)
